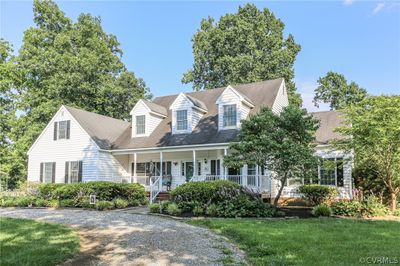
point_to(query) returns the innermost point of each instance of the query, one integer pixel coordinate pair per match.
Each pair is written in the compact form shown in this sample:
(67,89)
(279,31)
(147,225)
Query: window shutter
(53,174)
(66,172)
(55,130)
(68,128)
(80,172)
(41,172)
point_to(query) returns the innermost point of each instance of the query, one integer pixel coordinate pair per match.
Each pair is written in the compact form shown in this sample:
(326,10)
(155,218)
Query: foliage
(374,137)
(60,62)
(311,242)
(108,191)
(333,89)
(198,210)
(28,242)
(173,209)
(102,205)
(281,143)
(121,203)
(155,208)
(243,47)
(322,210)
(316,194)
(346,208)
(220,198)
(371,207)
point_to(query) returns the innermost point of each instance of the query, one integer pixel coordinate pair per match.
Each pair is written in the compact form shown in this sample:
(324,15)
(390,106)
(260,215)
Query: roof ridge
(83,110)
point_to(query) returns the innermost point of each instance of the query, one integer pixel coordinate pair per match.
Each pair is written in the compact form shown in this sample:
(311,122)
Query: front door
(188,171)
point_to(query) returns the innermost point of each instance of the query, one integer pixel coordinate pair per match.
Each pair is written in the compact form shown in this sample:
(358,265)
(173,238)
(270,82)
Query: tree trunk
(393,201)
(283,182)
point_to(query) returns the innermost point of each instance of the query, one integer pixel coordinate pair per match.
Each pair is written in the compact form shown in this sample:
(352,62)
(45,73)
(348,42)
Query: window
(181,120)
(145,169)
(229,116)
(215,167)
(47,172)
(73,172)
(251,169)
(140,124)
(331,172)
(198,168)
(62,129)
(233,171)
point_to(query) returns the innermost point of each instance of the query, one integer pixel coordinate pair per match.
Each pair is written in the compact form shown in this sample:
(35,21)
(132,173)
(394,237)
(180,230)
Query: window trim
(224,117)
(177,120)
(144,124)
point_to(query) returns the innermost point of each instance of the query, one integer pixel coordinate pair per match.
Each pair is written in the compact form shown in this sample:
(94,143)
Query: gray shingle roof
(197,102)
(156,108)
(102,129)
(329,120)
(260,93)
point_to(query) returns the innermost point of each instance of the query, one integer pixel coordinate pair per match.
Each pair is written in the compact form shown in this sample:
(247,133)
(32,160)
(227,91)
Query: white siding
(152,121)
(281,99)
(182,103)
(196,116)
(79,147)
(110,168)
(229,97)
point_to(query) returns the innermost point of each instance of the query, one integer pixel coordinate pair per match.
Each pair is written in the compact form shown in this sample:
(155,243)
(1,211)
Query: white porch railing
(243,180)
(155,187)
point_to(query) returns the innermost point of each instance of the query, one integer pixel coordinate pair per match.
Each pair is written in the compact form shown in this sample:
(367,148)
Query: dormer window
(181,120)
(230,115)
(140,124)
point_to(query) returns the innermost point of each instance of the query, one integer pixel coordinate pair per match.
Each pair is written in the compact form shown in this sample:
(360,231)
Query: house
(184,137)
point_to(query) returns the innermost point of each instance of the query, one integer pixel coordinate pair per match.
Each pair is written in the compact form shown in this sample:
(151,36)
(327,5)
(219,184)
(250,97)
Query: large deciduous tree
(374,136)
(282,143)
(244,47)
(71,63)
(334,89)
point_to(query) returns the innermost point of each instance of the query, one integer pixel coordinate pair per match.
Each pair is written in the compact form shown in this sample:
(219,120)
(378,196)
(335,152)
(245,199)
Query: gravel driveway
(122,238)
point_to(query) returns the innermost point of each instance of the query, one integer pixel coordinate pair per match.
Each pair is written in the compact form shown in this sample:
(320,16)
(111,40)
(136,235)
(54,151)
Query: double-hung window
(140,124)
(229,115)
(73,171)
(181,120)
(62,129)
(47,172)
(331,172)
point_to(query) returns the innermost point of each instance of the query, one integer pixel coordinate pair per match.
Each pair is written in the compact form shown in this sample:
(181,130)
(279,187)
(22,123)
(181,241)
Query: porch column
(161,170)
(225,168)
(134,167)
(194,164)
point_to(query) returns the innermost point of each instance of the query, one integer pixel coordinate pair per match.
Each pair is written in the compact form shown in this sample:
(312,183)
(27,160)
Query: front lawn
(310,241)
(27,242)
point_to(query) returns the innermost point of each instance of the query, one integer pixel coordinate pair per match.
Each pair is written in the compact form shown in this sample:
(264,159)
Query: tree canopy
(281,143)
(71,63)
(244,47)
(374,136)
(334,89)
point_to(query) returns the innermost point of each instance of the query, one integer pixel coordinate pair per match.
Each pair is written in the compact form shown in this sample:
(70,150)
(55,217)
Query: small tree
(282,143)
(374,136)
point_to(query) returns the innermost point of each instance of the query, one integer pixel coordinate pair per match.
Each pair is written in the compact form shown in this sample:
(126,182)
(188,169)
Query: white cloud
(386,6)
(306,89)
(348,2)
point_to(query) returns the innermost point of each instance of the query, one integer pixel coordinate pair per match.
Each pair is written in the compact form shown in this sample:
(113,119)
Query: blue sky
(360,39)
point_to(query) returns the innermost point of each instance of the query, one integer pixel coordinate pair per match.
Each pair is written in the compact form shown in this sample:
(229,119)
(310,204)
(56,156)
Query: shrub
(121,203)
(67,203)
(54,204)
(23,201)
(198,210)
(104,205)
(39,202)
(317,194)
(372,207)
(134,203)
(173,209)
(322,210)
(154,208)
(212,210)
(346,208)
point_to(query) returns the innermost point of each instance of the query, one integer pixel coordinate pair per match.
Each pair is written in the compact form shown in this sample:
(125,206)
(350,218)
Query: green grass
(27,242)
(310,241)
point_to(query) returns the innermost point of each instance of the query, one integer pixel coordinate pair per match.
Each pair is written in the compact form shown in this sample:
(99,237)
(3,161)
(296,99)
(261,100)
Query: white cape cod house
(172,140)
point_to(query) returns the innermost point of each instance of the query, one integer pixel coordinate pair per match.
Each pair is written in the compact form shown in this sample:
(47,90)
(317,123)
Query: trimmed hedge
(322,210)
(317,194)
(368,208)
(219,198)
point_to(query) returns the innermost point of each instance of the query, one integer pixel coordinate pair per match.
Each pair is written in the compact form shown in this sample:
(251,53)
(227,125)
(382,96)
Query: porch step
(164,195)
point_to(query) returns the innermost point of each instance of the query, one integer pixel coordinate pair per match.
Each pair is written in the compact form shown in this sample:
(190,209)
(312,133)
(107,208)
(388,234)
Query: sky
(360,39)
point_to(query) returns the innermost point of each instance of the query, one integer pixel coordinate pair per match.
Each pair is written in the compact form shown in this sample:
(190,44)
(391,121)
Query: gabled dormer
(145,117)
(186,113)
(233,107)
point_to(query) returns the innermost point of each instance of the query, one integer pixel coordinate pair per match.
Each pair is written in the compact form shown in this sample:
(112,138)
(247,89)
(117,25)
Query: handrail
(155,188)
